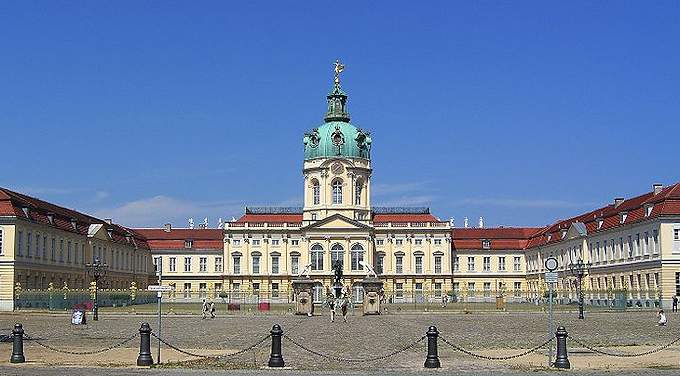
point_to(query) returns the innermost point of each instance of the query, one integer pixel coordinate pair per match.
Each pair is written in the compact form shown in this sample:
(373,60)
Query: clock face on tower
(337,168)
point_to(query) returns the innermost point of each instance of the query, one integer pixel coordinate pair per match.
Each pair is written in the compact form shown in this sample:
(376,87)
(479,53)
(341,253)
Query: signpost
(550,279)
(159,288)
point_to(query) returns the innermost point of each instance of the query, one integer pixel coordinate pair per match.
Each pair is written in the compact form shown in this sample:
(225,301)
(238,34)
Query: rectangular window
(456,264)
(437,264)
(29,241)
(173,264)
(202,264)
(256,242)
(399,289)
(630,245)
(399,242)
(54,249)
(379,242)
(487,289)
(437,289)
(275,290)
(487,264)
(419,264)
(275,242)
(44,248)
(645,247)
(202,290)
(316,259)
(676,234)
(218,264)
(61,250)
(517,263)
(471,289)
(187,264)
(187,290)
(237,264)
(501,263)
(37,246)
(295,265)
(275,264)
(471,264)
(20,245)
(256,264)
(380,265)
(76,252)
(399,264)
(655,236)
(295,242)
(517,287)
(157,264)
(419,241)
(437,242)
(236,242)
(68,251)
(188,244)
(637,245)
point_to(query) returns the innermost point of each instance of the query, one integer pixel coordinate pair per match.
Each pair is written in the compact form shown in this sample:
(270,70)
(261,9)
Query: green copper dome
(337,137)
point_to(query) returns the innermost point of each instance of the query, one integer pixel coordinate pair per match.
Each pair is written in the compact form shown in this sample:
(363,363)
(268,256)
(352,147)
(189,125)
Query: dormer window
(50,218)
(110,232)
(549,237)
(26,211)
(188,244)
(486,244)
(622,217)
(600,221)
(564,233)
(74,224)
(648,210)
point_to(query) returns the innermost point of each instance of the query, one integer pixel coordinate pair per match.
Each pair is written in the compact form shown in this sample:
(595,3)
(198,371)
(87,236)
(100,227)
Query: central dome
(337,139)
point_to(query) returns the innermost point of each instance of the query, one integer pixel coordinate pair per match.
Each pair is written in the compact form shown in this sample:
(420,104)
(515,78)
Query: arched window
(337,253)
(337,191)
(357,256)
(316,192)
(357,192)
(316,257)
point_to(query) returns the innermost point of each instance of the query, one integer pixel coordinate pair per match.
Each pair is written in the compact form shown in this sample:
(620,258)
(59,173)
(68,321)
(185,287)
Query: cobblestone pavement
(496,334)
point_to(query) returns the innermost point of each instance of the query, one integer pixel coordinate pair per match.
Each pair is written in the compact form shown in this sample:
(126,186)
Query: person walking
(204,310)
(675,303)
(212,309)
(662,318)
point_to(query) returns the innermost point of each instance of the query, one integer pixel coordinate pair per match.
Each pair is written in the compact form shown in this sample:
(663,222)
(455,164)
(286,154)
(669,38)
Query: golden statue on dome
(339,67)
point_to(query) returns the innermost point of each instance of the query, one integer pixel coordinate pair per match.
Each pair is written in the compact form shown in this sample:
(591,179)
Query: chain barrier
(93,352)
(350,360)
(468,352)
(256,344)
(620,355)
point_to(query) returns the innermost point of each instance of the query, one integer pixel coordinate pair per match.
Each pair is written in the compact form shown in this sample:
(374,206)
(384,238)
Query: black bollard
(17,345)
(144,358)
(432,360)
(562,359)
(276,358)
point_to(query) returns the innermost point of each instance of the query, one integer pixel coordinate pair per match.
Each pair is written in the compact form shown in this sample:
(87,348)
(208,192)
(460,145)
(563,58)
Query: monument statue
(339,67)
(370,272)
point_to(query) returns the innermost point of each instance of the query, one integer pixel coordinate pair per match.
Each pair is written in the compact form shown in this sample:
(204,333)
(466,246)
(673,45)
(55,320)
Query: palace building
(631,245)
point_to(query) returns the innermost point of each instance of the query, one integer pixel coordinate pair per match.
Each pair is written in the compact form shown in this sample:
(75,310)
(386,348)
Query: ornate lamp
(578,270)
(97,270)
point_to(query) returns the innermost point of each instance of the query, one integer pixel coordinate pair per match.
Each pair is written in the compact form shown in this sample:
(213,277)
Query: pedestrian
(445,299)
(662,318)
(212,309)
(675,303)
(204,310)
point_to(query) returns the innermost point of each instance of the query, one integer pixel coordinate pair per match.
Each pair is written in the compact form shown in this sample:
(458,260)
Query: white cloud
(154,211)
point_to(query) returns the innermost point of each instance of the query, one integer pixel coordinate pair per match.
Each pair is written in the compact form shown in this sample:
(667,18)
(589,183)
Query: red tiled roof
(501,238)
(11,204)
(174,239)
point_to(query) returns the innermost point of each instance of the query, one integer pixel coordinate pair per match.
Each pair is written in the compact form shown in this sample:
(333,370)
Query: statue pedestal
(372,287)
(304,298)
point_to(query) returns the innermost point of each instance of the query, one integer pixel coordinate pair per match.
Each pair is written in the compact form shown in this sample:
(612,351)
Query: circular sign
(551,263)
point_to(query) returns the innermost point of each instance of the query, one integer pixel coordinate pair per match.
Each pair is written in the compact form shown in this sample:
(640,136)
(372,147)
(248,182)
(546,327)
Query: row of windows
(486,264)
(400,242)
(258,242)
(119,260)
(486,288)
(202,264)
(41,247)
(336,190)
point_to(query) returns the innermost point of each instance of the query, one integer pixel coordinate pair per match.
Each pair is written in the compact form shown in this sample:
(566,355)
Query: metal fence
(65,300)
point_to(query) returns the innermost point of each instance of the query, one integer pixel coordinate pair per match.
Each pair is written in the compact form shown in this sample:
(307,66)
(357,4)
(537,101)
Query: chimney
(167,227)
(618,201)
(657,188)
(108,221)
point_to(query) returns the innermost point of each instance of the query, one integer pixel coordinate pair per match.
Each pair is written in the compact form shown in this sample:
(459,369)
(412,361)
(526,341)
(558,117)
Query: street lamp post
(578,270)
(97,270)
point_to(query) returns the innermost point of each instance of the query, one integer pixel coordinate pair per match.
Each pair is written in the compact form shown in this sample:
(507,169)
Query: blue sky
(521,112)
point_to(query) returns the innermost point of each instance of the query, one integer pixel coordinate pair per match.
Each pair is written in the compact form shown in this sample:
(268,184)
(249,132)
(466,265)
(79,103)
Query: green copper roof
(337,137)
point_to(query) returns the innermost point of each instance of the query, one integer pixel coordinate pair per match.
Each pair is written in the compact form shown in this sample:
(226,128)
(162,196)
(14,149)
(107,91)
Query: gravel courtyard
(496,334)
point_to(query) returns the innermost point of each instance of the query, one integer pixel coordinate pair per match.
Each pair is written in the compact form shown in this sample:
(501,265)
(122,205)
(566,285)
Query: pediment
(337,222)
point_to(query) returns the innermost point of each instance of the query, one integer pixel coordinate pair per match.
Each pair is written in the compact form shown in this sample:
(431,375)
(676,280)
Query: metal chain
(52,348)
(256,344)
(458,348)
(619,355)
(350,360)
